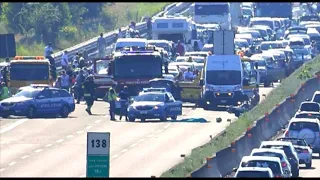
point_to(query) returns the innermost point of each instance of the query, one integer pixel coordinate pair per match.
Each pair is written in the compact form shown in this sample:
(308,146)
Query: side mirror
(234,169)
(308,99)
(201,83)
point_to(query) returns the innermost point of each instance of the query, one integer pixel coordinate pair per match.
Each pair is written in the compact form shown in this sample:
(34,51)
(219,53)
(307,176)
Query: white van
(222,81)
(131,42)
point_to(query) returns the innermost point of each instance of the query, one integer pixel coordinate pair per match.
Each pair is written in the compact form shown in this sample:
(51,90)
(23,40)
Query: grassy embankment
(198,155)
(124,13)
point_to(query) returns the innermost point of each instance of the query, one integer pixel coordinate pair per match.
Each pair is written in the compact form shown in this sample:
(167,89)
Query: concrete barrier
(263,129)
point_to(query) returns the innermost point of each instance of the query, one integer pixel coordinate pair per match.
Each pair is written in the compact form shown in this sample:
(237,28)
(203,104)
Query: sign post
(98,151)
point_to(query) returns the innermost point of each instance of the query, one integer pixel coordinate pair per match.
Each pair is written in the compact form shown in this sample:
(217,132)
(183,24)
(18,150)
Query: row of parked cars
(281,158)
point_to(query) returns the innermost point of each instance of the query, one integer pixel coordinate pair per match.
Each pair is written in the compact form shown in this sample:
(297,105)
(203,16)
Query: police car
(154,103)
(37,101)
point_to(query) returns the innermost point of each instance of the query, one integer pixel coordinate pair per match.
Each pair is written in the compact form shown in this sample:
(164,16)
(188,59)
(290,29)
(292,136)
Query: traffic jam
(220,55)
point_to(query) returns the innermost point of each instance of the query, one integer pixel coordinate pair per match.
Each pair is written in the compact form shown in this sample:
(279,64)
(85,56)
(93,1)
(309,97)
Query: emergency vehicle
(26,70)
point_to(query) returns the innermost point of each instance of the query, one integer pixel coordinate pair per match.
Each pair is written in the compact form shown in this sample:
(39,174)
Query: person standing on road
(124,100)
(65,60)
(180,48)
(101,45)
(78,88)
(57,84)
(65,81)
(4,91)
(112,97)
(89,88)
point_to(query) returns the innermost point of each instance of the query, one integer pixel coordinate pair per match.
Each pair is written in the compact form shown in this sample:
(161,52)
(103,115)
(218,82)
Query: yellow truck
(26,70)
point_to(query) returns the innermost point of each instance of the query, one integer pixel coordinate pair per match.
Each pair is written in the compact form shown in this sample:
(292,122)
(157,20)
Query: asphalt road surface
(57,147)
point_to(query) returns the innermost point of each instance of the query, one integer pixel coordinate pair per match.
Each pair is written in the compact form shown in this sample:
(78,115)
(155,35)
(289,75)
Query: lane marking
(13,125)
(48,145)
(38,150)
(79,132)
(159,131)
(59,141)
(133,145)
(12,163)
(150,135)
(97,121)
(2,169)
(114,156)
(70,136)
(125,150)
(24,157)
(168,125)
(141,140)
(89,127)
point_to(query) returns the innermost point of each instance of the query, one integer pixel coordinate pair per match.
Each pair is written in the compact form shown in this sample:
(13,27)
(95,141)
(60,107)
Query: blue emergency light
(163,90)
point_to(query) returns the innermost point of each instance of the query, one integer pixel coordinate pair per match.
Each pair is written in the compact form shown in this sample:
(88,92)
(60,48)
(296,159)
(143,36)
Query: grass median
(198,155)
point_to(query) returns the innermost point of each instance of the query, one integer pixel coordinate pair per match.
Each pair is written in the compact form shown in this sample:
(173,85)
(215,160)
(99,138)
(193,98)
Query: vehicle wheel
(31,112)
(174,118)
(132,119)
(64,112)
(143,120)
(5,115)
(309,165)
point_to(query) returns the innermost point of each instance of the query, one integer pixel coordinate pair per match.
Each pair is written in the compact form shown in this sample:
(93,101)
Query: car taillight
(284,164)
(278,176)
(305,151)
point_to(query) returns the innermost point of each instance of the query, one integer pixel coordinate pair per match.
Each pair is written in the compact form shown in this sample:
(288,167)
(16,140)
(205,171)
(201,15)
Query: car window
(252,174)
(298,126)
(310,107)
(287,150)
(55,94)
(45,94)
(64,93)
(316,98)
(307,115)
(269,154)
(274,166)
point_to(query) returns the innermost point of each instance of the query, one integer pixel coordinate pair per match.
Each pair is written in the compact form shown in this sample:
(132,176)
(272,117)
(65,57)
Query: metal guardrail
(91,47)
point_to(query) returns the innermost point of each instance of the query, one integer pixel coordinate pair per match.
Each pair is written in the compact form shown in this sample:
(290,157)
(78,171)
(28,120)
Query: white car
(316,97)
(254,172)
(263,161)
(309,106)
(307,129)
(290,152)
(173,70)
(275,153)
(197,53)
(307,114)
(303,150)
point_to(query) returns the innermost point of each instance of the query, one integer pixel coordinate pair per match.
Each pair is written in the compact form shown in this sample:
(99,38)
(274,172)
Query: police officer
(124,100)
(4,91)
(89,89)
(112,97)
(80,78)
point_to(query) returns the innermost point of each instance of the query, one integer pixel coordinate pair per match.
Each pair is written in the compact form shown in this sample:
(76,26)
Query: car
(275,153)
(290,152)
(309,106)
(256,36)
(273,163)
(267,28)
(173,70)
(154,103)
(254,172)
(307,129)
(197,53)
(245,36)
(266,45)
(38,101)
(263,32)
(316,97)
(303,150)
(307,114)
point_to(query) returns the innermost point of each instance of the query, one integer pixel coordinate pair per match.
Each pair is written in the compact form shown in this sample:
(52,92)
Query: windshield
(221,77)
(261,63)
(274,166)
(134,66)
(247,12)
(298,126)
(267,46)
(165,46)
(316,98)
(296,43)
(253,174)
(241,44)
(268,154)
(150,97)
(262,32)
(214,9)
(28,93)
(102,67)
(281,10)
(262,22)
(175,37)
(29,72)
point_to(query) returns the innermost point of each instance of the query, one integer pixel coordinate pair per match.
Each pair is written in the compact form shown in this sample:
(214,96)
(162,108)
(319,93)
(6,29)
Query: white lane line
(97,121)
(2,169)
(88,127)
(13,125)
(24,157)
(168,125)
(114,156)
(133,145)
(70,136)
(125,150)
(159,131)
(48,145)
(141,140)
(79,132)
(38,150)
(59,141)
(151,135)
(12,163)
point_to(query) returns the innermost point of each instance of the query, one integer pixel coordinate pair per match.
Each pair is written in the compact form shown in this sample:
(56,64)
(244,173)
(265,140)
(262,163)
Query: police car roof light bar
(154,90)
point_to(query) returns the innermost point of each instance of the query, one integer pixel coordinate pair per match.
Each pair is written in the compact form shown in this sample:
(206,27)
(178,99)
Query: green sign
(98,150)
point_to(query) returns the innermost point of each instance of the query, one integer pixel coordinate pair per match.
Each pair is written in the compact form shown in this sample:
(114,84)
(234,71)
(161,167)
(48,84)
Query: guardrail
(90,46)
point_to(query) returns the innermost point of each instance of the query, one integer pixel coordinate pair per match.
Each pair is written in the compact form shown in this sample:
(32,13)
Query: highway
(57,147)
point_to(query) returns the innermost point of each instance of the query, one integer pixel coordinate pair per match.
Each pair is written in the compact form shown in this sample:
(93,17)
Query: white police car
(38,101)
(154,103)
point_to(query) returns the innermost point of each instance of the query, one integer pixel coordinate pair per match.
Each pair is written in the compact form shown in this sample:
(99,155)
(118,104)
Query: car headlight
(118,99)
(156,107)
